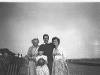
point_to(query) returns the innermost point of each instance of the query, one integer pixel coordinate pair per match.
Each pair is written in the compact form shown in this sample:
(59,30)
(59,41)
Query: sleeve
(45,58)
(37,58)
(29,53)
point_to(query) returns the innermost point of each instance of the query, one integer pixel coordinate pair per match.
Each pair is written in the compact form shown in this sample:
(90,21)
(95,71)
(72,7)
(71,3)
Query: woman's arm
(29,53)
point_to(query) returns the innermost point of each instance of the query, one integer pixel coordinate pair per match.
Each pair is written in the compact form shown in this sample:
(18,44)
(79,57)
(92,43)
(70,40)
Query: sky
(76,24)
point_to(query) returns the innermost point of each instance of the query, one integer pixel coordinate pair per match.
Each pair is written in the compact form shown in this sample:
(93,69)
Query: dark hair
(41,62)
(45,35)
(57,39)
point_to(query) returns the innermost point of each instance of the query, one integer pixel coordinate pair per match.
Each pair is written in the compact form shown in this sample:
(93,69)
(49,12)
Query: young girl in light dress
(41,62)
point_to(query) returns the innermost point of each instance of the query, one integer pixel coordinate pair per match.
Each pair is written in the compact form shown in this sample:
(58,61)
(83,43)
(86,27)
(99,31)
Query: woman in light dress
(59,65)
(32,53)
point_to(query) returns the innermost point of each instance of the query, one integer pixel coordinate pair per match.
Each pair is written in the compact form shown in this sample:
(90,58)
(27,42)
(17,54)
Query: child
(42,68)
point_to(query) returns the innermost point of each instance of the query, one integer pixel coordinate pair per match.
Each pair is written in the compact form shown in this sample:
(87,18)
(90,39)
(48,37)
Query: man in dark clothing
(48,50)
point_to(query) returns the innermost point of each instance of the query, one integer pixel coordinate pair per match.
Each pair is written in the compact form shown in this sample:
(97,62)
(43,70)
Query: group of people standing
(46,58)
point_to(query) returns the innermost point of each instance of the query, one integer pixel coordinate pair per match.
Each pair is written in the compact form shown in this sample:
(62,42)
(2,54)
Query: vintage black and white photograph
(55,38)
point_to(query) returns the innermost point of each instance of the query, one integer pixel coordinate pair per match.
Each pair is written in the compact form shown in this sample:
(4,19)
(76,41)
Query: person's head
(46,38)
(35,42)
(41,62)
(41,52)
(55,41)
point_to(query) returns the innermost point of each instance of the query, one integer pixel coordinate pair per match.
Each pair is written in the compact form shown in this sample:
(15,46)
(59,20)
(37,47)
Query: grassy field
(84,66)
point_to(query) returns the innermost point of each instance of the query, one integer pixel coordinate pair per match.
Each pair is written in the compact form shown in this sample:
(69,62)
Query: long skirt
(31,68)
(42,70)
(59,68)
